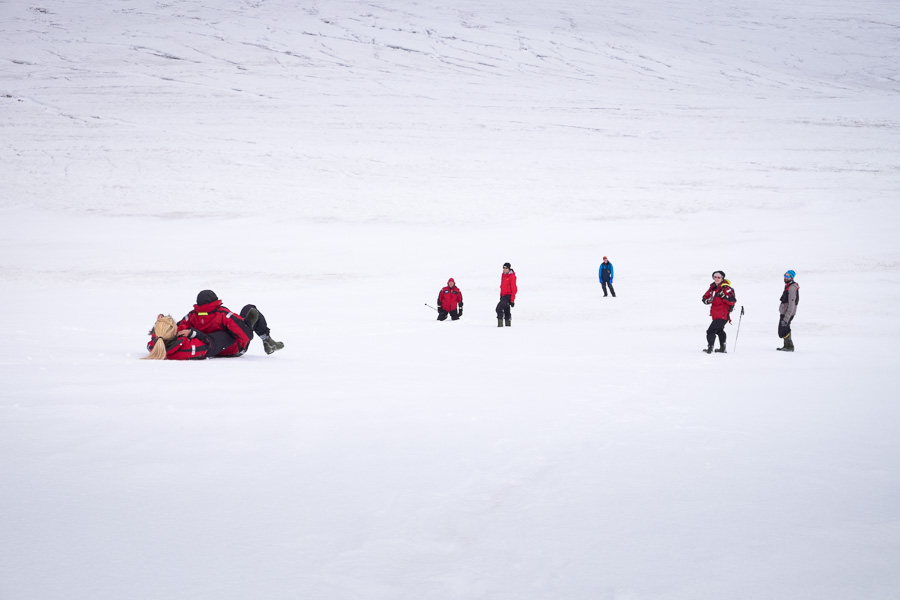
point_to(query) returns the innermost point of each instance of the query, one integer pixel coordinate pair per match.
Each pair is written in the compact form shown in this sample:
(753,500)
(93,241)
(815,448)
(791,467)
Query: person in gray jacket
(790,298)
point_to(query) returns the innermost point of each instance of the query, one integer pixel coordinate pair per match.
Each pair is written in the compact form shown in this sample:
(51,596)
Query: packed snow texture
(335,163)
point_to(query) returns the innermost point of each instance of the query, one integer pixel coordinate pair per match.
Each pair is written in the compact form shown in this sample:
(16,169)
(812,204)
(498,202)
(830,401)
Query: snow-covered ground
(335,163)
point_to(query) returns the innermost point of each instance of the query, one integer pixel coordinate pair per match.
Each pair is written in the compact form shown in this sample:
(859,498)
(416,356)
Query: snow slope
(335,163)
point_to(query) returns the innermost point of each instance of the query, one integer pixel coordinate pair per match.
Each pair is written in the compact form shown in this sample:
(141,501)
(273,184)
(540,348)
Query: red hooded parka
(211,317)
(508,285)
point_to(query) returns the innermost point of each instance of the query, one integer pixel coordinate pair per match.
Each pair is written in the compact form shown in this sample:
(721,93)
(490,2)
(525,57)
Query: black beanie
(722,273)
(507,265)
(206,296)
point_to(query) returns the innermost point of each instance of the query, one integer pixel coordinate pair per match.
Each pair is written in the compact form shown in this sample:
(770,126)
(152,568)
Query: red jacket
(508,285)
(449,298)
(183,347)
(211,317)
(721,299)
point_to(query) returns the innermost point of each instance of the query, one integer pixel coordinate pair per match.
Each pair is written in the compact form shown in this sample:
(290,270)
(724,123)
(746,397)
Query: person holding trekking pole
(720,298)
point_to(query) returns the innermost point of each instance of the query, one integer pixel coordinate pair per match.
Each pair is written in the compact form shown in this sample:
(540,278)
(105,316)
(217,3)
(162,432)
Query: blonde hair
(165,330)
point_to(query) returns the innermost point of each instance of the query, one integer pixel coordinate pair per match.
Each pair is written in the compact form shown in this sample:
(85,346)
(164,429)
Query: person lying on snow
(210,330)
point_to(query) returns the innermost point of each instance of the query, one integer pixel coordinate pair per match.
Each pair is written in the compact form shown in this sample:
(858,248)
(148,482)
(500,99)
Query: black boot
(709,349)
(788,344)
(270,345)
(509,322)
(721,349)
(499,322)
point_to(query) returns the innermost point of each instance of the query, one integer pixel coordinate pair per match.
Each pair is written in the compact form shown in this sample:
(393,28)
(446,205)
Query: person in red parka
(230,332)
(167,343)
(720,297)
(450,302)
(507,296)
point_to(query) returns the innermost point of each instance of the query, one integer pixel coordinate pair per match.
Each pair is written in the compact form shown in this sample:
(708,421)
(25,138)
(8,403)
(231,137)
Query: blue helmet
(789,274)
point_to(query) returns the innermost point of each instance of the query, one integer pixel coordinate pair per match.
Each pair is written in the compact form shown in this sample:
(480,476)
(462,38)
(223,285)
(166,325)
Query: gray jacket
(789,300)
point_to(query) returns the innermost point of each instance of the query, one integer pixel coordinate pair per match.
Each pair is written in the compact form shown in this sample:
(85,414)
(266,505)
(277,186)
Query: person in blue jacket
(606,277)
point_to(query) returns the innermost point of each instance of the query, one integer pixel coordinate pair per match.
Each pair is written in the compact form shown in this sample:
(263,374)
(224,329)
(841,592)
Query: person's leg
(442,314)
(454,314)
(710,336)
(784,332)
(261,328)
(603,283)
(502,309)
(789,339)
(219,341)
(611,290)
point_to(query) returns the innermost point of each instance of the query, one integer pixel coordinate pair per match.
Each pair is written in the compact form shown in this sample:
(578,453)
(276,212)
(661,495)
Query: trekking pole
(431,307)
(738,329)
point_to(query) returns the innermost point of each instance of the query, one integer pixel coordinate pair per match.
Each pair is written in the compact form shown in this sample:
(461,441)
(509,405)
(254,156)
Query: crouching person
(450,302)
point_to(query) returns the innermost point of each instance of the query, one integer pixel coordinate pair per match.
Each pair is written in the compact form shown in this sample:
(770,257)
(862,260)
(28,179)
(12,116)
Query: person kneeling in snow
(450,302)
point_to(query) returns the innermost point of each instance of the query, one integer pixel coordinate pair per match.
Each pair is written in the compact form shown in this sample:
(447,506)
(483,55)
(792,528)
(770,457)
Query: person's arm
(184,323)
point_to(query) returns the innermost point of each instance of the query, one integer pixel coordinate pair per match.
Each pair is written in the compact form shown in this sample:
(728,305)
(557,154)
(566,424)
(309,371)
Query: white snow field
(335,162)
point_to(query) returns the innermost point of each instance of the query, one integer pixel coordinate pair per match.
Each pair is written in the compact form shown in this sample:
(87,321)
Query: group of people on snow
(450,299)
(721,298)
(212,330)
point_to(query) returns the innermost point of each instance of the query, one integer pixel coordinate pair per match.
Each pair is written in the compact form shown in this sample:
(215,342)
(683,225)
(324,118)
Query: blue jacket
(608,275)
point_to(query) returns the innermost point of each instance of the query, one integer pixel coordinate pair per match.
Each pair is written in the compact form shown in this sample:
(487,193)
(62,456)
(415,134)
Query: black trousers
(442,314)
(608,283)
(716,328)
(784,330)
(219,340)
(504,311)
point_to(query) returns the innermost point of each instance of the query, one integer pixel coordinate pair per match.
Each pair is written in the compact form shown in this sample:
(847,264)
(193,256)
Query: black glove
(460,310)
(512,303)
(706,300)
(460,305)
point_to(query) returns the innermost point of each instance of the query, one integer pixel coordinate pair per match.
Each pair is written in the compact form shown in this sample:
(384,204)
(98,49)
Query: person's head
(507,267)
(789,275)
(605,259)
(451,282)
(718,277)
(165,330)
(206,296)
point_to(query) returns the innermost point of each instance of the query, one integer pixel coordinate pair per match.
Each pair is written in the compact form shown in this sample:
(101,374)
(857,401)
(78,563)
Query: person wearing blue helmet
(790,298)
